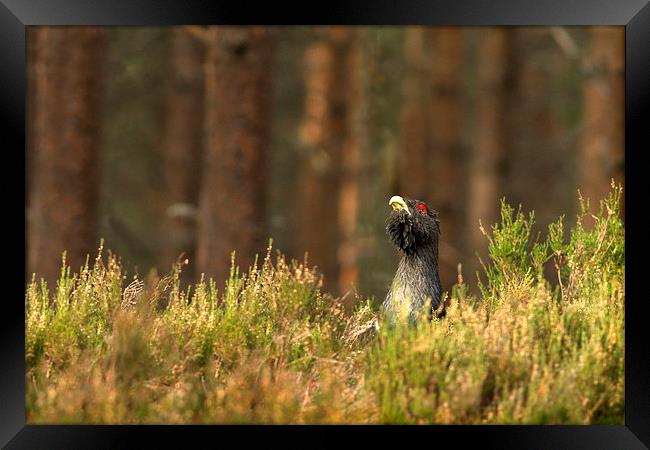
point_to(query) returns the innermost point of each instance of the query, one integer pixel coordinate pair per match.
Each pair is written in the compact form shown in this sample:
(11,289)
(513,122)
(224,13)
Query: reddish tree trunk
(535,130)
(348,252)
(485,174)
(602,152)
(68,80)
(323,135)
(232,205)
(183,139)
(431,134)
(447,190)
(414,160)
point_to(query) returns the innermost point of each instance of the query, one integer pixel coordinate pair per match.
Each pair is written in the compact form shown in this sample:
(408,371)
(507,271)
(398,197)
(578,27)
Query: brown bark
(348,252)
(322,136)
(602,152)
(414,162)
(232,201)
(446,190)
(68,80)
(183,138)
(536,139)
(485,174)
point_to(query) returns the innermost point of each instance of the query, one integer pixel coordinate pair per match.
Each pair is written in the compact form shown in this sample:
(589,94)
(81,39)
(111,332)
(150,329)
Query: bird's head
(412,224)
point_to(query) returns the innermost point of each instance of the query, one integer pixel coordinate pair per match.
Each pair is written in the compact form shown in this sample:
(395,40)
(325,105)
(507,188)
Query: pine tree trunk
(348,252)
(414,159)
(182,149)
(322,136)
(485,173)
(233,197)
(602,152)
(68,79)
(535,156)
(447,192)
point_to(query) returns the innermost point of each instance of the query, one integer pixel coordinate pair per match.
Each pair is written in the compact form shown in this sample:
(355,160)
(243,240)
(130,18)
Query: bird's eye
(421,208)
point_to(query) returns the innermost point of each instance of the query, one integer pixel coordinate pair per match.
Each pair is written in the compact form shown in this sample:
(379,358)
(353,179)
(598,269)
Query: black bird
(413,227)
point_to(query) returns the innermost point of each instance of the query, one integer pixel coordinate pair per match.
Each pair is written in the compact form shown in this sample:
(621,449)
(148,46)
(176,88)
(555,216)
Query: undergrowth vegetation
(271,347)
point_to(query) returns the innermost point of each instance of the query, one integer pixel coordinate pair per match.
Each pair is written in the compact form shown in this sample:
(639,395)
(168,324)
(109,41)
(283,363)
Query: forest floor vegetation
(271,347)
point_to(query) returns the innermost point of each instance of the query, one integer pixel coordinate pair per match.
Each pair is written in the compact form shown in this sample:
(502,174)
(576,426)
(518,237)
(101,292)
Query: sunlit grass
(271,347)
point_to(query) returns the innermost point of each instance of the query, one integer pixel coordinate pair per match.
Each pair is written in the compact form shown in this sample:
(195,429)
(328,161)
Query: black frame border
(15,15)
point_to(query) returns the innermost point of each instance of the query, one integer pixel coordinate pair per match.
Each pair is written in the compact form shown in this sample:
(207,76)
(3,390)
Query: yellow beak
(397,203)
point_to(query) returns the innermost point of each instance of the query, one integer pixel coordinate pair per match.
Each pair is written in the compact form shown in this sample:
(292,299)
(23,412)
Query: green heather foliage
(271,347)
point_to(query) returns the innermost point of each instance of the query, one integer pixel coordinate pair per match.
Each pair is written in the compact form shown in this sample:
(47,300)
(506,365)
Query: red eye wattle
(421,208)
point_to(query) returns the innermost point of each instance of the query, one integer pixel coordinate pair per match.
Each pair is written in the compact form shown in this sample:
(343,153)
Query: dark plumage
(413,227)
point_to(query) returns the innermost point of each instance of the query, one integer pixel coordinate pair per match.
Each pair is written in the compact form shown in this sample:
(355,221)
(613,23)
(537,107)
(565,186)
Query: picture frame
(634,15)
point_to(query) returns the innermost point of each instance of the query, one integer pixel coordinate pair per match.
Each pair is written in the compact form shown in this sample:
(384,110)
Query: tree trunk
(414,162)
(446,190)
(348,252)
(68,80)
(602,152)
(485,174)
(322,136)
(232,204)
(183,138)
(536,155)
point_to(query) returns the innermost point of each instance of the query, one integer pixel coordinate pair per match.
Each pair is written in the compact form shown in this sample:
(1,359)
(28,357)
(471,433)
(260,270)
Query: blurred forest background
(204,140)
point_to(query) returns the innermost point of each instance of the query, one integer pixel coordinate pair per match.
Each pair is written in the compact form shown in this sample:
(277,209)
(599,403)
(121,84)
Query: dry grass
(270,347)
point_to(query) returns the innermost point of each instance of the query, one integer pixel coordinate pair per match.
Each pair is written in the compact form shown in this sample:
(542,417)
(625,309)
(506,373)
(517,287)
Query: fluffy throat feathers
(412,226)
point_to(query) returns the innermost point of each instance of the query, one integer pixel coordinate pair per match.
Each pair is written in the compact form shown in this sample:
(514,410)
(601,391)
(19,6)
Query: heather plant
(185,355)
(524,352)
(269,346)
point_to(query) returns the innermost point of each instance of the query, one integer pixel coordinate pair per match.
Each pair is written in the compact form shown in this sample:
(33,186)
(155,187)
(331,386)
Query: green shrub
(271,347)
(523,352)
